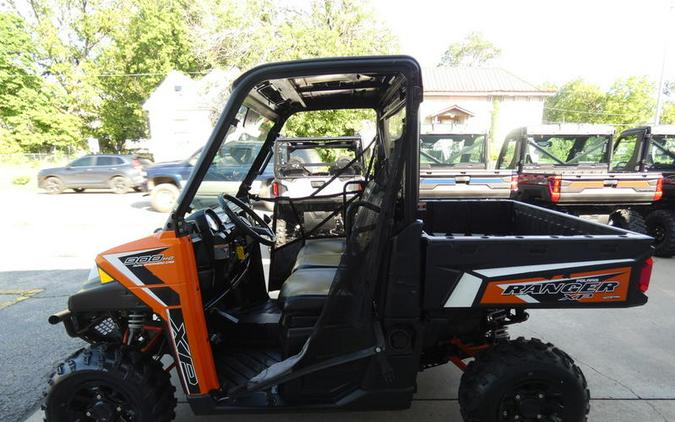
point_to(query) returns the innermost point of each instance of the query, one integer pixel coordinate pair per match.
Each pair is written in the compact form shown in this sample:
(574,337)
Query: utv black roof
(327,83)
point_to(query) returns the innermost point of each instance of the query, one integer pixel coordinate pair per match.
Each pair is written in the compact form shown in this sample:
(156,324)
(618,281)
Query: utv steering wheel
(250,223)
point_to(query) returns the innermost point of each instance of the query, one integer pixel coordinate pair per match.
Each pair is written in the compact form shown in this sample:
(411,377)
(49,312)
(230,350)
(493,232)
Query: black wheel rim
(533,401)
(95,401)
(658,233)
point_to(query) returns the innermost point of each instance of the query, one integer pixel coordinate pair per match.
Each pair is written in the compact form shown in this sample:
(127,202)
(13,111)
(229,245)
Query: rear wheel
(661,226)
(120,184)
(54,185)
(106,383)
(628,219)
(523,380)
(163,197)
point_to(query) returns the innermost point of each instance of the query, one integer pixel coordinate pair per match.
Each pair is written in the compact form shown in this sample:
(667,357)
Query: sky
(544,40)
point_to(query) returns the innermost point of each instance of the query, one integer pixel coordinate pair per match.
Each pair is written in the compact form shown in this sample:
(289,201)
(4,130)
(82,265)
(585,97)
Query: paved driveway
(49,243)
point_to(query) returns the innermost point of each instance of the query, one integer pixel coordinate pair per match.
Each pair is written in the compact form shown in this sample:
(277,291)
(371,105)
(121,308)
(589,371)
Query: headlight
(97,273)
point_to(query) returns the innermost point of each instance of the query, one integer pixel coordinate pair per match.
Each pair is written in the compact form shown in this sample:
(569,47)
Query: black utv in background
(651,150)
(567,167)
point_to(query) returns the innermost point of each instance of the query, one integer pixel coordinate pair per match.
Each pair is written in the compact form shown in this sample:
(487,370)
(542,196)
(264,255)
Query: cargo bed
(496,253)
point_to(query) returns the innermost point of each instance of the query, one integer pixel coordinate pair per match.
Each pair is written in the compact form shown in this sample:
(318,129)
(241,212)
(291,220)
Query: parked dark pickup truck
(166,179)
(651,150)
(455,165)
(567,167)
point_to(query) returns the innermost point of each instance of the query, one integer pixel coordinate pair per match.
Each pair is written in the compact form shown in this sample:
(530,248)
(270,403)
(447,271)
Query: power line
(108,75)
(604,124)
(599,113)
(124,75)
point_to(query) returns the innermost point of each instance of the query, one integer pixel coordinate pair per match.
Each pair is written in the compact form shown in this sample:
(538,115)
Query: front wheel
(523,380)
(106,383)
(163,197)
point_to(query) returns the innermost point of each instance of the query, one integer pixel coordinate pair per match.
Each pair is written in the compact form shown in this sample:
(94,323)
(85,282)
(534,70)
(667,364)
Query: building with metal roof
(483,99)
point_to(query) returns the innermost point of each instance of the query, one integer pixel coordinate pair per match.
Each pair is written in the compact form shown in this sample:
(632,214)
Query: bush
(20,180)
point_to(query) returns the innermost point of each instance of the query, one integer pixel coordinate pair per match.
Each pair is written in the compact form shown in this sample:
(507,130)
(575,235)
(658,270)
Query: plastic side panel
(601,286)
(537,271)
(161,271)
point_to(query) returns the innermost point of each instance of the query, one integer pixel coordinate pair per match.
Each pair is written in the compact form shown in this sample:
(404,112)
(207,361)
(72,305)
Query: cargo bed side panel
(528,257)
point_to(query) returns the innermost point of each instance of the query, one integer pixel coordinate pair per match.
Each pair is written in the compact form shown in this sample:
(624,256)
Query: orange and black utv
(341,319)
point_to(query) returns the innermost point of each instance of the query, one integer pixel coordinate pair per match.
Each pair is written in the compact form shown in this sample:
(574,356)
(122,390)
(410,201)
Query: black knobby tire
(109,382)
(628,219)
(661,226)
(525,378)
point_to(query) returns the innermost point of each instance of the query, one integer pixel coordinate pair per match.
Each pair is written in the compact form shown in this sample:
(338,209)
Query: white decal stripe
(527,298)
(504,271)
(179,368)
(115,261)
(465,292)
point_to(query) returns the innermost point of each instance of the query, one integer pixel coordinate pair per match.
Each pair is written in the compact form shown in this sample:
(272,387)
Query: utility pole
(660,88)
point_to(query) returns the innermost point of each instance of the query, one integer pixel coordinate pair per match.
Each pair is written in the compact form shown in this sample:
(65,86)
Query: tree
(155,41)
(576,101)
(628,102)
(71,36)
(332,28)
(32,110)
(474,50)
(668,116)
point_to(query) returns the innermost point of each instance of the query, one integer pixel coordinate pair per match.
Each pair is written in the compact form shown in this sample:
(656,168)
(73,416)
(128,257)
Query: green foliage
(473,50)
(85,68)
(668,116)
(32,117)
(628,102)
(493,147)
(327,123)
(20,180)
(155,41)
(576,101)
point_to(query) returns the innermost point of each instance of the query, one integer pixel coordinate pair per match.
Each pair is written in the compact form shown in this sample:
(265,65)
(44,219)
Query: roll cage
(279,90)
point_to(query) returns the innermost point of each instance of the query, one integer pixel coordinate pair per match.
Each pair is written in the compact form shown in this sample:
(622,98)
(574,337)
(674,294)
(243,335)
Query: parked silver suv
(120,173)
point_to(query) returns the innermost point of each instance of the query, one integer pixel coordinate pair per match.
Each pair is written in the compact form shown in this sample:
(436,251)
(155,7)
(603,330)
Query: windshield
(233,159)
(452,150)
(662,153)
(316,157)
(567,150)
